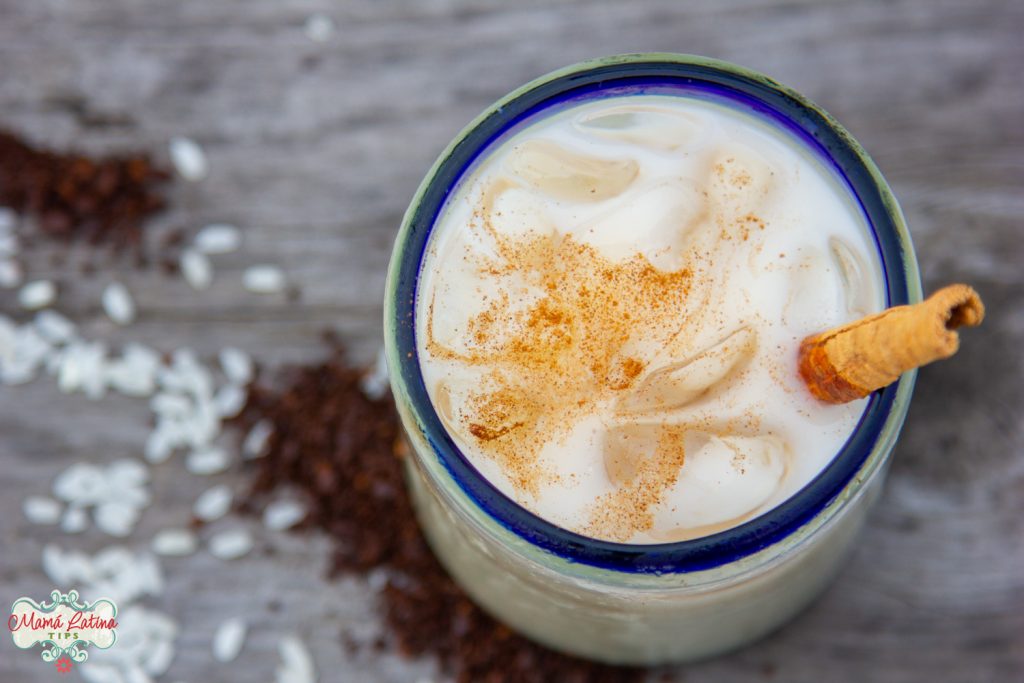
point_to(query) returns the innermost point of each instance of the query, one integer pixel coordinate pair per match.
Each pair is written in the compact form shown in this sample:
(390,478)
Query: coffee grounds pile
(340,448)
(100,202)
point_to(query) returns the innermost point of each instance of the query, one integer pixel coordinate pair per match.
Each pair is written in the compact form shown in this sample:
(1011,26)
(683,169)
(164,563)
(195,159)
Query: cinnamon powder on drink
(341,449)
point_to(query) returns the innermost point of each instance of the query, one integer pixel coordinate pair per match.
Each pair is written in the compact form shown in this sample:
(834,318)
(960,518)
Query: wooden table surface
(315,150)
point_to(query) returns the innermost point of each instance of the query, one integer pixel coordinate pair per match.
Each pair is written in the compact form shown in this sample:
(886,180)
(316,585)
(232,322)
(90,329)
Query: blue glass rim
(646,73)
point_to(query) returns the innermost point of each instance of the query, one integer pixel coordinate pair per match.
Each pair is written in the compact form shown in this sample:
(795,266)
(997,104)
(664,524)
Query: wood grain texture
(315,149)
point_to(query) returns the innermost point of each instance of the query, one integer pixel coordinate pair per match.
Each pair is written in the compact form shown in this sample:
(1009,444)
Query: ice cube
(563,173)
(647,127)
(739,183)
(815,294)
(516,214)
(853,276)
(625,447)
(724,480)
(661,220)
(675,385)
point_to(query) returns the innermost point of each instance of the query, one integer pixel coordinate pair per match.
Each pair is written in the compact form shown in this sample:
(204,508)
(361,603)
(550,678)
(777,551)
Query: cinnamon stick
(849,362)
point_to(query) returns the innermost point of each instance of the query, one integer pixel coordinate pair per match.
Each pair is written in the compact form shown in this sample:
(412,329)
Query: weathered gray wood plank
(315,150)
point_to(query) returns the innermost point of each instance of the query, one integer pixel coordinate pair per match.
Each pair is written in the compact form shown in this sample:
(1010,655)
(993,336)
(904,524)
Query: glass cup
(642,604)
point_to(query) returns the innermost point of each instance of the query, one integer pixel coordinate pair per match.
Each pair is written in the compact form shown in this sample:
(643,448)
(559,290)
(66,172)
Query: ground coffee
(342,450)
(102,202)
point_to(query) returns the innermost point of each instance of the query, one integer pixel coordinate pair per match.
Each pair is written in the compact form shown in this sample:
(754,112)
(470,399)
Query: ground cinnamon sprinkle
(338,447)
(570,349)
(100,202)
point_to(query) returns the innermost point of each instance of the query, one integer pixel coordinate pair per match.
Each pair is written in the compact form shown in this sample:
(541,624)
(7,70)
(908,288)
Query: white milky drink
(610,307)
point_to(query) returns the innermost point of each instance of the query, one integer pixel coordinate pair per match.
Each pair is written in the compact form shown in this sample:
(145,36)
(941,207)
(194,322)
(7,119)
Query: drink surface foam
(609,309)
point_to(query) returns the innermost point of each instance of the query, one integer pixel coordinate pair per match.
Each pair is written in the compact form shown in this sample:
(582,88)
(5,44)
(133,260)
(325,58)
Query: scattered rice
(65,568)
(296,662)
(22,351)
(159,446)
(118,303)
(134,374)
(263,279)
(83,368)
(167,404)
(375,383)
(75,520)
(377,579)
(117,492)
(54,327)
(159,661)
(283,514)
(230,400)
(41,510)
(188,158)
(229,639)
(8,244)
(11,275)
(236,364)
(81,483)
(208,461)
(213,503)
(255,443)
(231,544)
(93,672)
(218,238)
(37,294)
(174,542)
(8,219)
(196,269)
(319,28)
(116,518)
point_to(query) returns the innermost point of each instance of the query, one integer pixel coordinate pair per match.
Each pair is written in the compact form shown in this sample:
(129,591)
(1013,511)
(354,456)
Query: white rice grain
(126,472)
(82,483)
(161,654)
(8,219)
(167,404)
(11,275)
(296,662)
(8,244)
(236,364)
(230,400)
(283,514)
(41,510)
(218,238)
(375,383)
(231,544)
(118,303)
(174,542)
(208,461)
(213,503)
(75,520)
(255,443)
(134,373)
(196,269)
(263,279)
(54,327)
(66,567)
(159,445)
(229,639)
(188,158)
(95,672)
(37,294)
(93,360)
(116,518)
(202,426)
(319,28)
